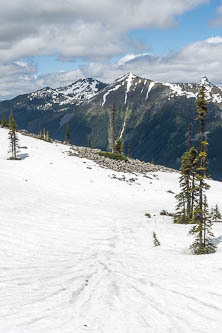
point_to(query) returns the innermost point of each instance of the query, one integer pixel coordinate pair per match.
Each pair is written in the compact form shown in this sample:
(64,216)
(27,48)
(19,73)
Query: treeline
(192,204)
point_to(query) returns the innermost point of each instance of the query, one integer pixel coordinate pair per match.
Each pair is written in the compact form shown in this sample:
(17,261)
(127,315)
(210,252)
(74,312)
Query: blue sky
(59,42)
(191,26)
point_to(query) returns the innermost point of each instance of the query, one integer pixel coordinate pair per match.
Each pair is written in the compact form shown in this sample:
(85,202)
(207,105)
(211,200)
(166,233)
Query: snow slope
(77,253)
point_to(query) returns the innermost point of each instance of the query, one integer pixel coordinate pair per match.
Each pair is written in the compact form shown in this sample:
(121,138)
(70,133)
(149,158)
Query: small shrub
(113,156)
(155,240)
(171,192)
(148,215)
(164,212)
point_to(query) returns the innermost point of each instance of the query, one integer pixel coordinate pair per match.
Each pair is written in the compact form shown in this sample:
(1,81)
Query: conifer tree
(206,246)
(119,146)
(44,133)
(40,134)
(67,136)
(4,122)
(187,181)
(89,143)
(190,136)
(202,230)
(47,137)
(155,240)
(129,153)
(13,138)
(113,127)
(215,214)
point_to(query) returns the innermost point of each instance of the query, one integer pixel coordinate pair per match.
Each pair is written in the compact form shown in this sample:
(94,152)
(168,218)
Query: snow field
(77,253)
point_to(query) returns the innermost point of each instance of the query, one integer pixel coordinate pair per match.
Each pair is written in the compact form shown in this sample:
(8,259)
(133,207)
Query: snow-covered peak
(191,90)
(75,93)
(128,76)
(82,89)
(205,82)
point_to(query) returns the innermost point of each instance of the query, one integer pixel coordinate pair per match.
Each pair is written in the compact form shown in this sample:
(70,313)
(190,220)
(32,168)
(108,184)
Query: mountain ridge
(152,118)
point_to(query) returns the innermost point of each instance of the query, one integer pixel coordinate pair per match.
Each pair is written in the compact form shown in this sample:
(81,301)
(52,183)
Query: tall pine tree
(186,197)
(13,138)
(67,136)
(202,229)
(119,146)
(113,127)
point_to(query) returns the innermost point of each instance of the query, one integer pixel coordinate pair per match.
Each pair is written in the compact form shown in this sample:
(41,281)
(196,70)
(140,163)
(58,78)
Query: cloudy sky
(54,42)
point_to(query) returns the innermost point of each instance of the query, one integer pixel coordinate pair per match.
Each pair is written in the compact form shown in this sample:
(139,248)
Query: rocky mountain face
(152,118)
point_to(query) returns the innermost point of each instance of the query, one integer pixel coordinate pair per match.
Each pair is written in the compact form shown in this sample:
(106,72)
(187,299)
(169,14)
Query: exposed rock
(129,166)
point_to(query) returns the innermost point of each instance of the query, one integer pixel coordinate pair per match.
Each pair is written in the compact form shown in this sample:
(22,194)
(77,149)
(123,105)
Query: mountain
(77,252)
(74,94)
(152,117)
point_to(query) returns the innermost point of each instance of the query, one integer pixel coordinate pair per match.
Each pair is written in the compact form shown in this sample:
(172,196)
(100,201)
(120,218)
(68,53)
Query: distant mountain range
(152,117)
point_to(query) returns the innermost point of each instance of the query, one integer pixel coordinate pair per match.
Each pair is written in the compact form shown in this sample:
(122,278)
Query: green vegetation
(113,156)
(44,135)
(67,135)
(13,139)
(192,204)
(119,146)
(216,214)
(4,122)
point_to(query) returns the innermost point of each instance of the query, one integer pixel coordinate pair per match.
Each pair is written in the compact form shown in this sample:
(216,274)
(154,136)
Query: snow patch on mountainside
(123,129)
(177,90)
(189,90)
(129,81)
(109,91)
(151,85)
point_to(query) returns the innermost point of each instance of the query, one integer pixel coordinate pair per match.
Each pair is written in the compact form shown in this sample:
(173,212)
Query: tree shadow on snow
(217,240)
(23,156)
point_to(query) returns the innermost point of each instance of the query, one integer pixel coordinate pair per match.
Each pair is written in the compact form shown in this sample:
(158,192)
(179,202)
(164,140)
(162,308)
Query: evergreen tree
(215,214)
(190,136)
(202,230)
(67,136)
(4,122)
(44,133)
(155,240)
(113,127)
(119,146)
(129,153)
(47,137)
(89,143)
(13,138)
(40,134)
(206,245)
(188,193)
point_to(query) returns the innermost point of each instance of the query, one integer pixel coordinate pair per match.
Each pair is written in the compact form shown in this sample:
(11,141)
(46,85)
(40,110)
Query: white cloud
(186,65)
(129,57)
(189,64)
(21,77)
(81,28)
(95,31)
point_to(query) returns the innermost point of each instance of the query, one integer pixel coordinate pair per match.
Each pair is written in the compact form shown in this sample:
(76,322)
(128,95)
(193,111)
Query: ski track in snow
(77,252)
